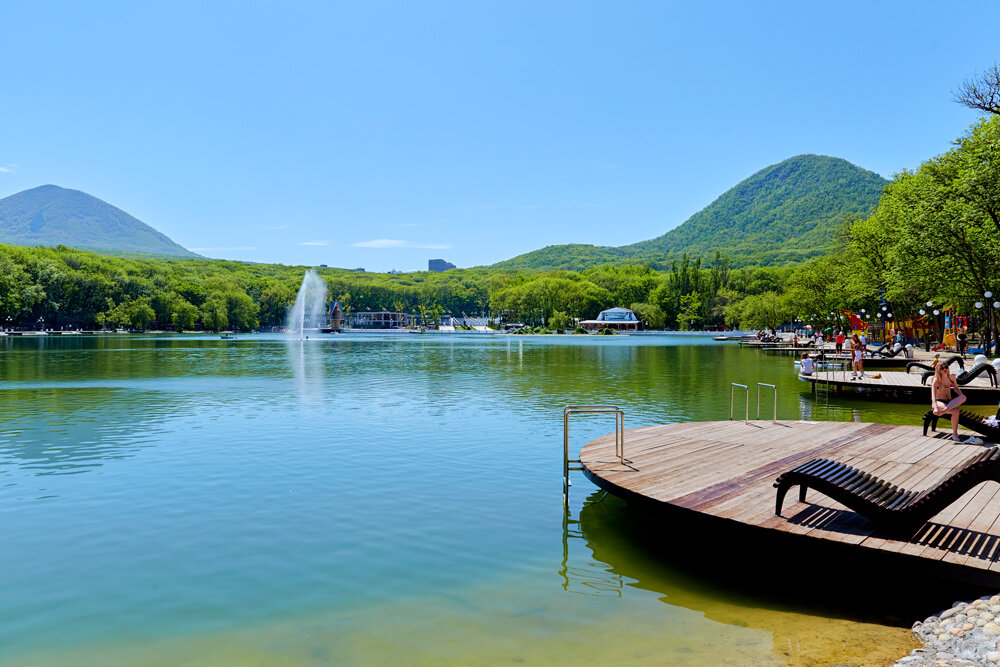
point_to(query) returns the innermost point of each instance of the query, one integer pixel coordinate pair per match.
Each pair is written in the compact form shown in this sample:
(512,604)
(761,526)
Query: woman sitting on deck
(806,364)
(946,396)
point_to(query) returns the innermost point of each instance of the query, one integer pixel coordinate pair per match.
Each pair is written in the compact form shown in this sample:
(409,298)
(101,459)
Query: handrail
(593,410)
(732,393)
(764,384)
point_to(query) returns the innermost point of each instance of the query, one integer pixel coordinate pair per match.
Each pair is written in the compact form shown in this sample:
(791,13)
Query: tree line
(933,238)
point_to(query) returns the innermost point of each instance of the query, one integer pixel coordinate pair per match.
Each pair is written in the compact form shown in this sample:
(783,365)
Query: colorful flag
(856,323)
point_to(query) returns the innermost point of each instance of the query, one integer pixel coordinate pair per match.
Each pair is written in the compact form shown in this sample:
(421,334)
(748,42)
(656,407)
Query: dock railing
(774,419)
(590,410)
(732,393)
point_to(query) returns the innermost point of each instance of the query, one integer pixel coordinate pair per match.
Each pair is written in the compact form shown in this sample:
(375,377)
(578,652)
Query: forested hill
(781,215)
(50,216)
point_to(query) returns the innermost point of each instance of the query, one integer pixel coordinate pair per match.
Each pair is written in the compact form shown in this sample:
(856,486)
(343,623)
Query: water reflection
(690,571)
(306,361)
(53,431)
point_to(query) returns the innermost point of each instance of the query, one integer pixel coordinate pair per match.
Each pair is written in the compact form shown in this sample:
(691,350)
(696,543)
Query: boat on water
(228,337)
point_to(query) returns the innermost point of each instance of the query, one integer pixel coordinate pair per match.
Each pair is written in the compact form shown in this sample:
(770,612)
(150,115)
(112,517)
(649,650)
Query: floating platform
(900,385)
(718,476)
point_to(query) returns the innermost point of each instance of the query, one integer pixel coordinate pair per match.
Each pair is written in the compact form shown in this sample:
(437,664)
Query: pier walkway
(724,471)
(906,385)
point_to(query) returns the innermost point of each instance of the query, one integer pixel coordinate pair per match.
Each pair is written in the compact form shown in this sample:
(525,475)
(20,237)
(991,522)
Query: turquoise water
(366,499)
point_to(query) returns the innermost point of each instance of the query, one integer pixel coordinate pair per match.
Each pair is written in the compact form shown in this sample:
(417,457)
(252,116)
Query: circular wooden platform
(724,471)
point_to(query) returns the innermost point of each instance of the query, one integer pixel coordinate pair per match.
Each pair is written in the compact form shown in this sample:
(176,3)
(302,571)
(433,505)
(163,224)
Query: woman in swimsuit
(946,396)
(857,353)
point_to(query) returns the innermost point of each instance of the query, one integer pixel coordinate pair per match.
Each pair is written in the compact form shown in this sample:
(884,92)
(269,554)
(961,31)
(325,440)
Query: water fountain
(309,310)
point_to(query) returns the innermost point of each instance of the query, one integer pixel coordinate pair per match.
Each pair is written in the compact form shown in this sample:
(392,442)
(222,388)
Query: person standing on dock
(857,356)
(946,396)
(840,342)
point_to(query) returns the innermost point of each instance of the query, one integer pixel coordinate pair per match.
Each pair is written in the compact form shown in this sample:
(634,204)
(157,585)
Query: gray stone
(951,612)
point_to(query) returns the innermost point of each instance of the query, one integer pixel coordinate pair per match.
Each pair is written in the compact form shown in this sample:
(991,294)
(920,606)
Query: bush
(580,330)
(606,332)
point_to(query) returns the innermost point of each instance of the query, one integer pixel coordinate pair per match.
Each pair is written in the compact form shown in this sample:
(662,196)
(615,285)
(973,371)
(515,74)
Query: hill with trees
(50,216)
(781,215)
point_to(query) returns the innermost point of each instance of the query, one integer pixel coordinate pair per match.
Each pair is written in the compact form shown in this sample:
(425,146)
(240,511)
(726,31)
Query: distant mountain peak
(50,215)
(785,213)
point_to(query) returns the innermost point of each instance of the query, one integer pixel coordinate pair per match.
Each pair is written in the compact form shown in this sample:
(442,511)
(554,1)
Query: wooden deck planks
(726,469)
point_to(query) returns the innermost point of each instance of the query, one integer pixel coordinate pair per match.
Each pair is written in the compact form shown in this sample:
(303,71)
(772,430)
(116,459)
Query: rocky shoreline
(966,634)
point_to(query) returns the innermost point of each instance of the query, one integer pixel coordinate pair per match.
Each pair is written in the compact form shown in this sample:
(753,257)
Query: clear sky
(381,134)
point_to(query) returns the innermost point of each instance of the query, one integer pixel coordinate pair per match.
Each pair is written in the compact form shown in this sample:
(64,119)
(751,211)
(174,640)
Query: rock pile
(966,634)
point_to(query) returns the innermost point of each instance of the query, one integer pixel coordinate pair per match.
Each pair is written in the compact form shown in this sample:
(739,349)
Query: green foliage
(786,213)
(49,215)
(560,320)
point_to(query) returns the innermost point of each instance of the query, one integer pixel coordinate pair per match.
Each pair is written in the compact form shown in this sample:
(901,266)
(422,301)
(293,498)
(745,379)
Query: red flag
(856,322)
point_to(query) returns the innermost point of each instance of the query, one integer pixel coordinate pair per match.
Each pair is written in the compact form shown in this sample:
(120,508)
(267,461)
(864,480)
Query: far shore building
(336,322)
(618,319)
(379,319)
(439,265)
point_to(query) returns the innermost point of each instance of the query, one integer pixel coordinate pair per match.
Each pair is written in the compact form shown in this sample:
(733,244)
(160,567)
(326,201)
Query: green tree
(214,314)
(689,315)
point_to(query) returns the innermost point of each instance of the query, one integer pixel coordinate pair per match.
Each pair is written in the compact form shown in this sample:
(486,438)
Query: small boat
(228,337)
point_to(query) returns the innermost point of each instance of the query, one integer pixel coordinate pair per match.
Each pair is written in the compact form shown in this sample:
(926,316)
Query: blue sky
(382,134)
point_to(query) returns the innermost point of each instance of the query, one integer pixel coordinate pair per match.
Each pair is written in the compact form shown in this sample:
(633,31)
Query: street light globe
(996,304)
(890,316)
(987,294)
(937,312)
(979,304)
(923,312)
(883,309)
(930,303)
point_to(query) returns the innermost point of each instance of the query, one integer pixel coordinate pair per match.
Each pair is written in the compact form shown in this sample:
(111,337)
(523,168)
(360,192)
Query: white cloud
(6,170)
(315,243)
(395,243)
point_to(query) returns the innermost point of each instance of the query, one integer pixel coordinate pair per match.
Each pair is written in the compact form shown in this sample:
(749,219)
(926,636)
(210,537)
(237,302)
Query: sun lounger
(957,359)
(965,377)
(969,420)
(894,508)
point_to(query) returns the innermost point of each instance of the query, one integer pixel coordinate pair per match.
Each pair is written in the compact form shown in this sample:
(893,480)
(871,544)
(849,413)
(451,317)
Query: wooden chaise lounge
(969,420)
(896,509)
(965,377)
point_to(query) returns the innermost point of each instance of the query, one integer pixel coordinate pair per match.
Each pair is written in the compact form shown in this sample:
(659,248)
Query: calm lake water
(372,499)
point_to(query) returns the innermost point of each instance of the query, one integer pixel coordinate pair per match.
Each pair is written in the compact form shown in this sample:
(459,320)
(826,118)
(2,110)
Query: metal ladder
(590,410)
(746,411)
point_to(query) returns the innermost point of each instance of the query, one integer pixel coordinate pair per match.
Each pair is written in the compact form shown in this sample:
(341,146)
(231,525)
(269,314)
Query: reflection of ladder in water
(590,410)
(593,578)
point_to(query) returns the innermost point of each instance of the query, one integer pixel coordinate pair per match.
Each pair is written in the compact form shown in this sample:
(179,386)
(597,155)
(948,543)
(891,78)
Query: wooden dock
(721,474)
(905,386)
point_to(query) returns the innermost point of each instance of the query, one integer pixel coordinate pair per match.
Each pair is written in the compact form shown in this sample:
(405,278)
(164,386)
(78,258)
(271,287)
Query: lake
(373,499)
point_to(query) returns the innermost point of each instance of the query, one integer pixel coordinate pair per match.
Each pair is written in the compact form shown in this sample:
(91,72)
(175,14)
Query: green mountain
(783,214)
(49,216)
